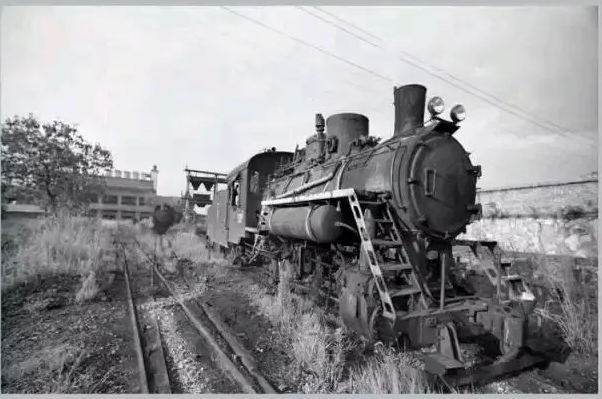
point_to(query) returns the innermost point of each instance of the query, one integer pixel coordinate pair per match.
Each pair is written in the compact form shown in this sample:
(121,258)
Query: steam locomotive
(374,223)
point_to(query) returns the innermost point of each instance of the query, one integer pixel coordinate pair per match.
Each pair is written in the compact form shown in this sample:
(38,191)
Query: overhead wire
(479,92)
(327,91)
(360,67)
(321,50)
(348,81)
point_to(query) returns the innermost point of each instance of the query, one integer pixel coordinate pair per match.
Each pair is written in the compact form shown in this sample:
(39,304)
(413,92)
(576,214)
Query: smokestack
(409,101)
(154,177)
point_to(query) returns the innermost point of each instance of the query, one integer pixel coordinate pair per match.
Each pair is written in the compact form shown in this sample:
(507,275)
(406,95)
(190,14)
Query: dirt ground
(50,345)
(257,335)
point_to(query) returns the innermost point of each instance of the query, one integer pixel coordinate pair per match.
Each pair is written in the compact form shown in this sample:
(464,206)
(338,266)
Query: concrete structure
(22,211)
(128,195)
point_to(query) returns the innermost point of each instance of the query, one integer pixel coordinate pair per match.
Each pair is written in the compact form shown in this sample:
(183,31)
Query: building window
(110,199)
(145,216)
(128,200)
(111,215)
(128,215)
(141,200)
(92,198)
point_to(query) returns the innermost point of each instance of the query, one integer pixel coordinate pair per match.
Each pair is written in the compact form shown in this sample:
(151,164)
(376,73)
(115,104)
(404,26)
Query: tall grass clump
(179,249)
(571,307)
(328,359)
(388,372)
(59,245)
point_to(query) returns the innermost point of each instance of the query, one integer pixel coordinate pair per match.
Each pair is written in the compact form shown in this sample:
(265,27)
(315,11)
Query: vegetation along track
(239,364)
(528,381)
(228,354)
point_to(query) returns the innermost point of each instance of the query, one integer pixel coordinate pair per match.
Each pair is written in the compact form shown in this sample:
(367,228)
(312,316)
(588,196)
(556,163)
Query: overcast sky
(203,87)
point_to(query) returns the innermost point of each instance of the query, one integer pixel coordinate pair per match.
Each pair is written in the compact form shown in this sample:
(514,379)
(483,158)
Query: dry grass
(55,370)
(570,306)
(388,372)
(180,252)
(52,370)
(61,245)
(328,359)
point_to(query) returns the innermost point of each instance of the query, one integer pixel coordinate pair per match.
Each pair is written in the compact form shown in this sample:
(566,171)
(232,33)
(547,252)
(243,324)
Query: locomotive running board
(300,199)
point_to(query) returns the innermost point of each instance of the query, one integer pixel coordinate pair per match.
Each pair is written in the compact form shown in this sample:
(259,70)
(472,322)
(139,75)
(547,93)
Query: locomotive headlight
(458,113)
(436,106)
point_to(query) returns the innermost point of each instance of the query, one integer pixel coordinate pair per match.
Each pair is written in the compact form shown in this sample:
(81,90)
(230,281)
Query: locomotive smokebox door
(435,185)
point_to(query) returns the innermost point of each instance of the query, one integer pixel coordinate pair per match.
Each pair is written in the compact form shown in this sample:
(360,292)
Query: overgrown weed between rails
(180,252)
(61,245)
(328,360)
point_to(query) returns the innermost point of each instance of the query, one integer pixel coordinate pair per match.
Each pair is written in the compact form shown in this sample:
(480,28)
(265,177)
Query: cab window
(254,183)
(235,192)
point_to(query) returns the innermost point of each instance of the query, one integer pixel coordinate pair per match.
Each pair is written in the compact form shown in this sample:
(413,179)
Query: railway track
(150,356)
(232,359)
(238,363)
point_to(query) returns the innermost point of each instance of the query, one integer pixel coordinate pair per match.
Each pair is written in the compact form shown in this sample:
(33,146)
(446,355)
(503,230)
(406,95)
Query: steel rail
(144,387)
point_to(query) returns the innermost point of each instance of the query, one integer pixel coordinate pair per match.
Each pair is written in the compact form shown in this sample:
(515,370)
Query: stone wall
(577,237)
(542,200)
(553,219)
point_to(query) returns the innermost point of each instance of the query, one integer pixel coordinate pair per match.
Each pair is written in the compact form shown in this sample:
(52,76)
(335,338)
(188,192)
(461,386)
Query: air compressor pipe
(311,185)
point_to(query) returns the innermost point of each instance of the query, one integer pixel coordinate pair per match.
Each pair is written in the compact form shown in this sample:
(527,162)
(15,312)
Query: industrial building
(129,195)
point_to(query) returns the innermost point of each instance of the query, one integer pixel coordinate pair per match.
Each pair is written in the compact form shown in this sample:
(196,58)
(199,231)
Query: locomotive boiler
(428,173)
(373,223)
